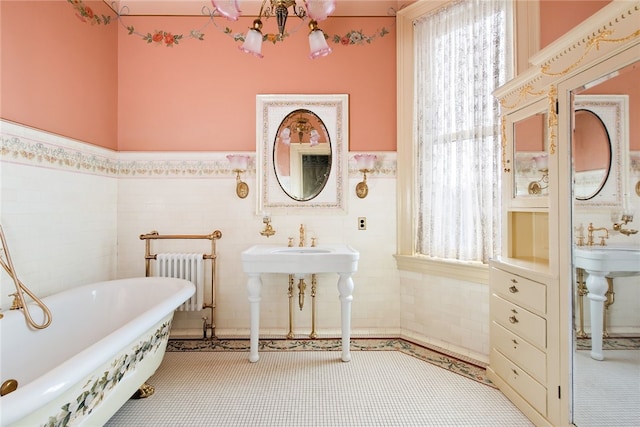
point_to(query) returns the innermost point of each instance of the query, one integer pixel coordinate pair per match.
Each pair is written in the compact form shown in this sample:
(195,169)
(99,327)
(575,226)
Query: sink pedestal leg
(597,285)
(254,286)
(345,287)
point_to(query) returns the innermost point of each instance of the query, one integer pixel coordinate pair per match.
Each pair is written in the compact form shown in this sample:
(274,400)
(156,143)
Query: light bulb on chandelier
(316,10)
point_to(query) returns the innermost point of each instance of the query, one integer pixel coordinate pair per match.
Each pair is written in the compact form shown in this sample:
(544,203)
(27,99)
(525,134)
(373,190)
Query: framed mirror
(599,148)
(301,153)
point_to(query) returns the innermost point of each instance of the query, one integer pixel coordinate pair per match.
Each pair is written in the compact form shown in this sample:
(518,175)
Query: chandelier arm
(262,9)
(299,11)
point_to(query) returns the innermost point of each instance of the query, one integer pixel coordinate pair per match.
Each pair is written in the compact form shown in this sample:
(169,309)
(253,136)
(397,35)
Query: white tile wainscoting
(73,214)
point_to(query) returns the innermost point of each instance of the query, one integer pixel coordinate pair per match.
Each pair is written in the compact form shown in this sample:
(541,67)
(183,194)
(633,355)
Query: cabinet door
(526,156)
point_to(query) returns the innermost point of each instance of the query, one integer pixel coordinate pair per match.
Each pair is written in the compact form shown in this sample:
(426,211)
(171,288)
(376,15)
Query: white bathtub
(105,340)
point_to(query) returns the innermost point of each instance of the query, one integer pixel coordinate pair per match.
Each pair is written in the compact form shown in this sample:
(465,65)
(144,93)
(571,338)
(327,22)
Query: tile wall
(73,214)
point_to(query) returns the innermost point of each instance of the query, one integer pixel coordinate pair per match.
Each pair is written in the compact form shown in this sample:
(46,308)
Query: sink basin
(302,260)
(302,251)
(340,259)
(601,262)
(616,261)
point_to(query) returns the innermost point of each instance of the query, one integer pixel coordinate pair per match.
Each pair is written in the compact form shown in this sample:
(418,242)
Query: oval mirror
(591,148)
(302,155)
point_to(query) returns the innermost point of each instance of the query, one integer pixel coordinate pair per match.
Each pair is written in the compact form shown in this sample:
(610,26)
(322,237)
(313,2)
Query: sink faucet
(590,231)
(626,218)
(301,244)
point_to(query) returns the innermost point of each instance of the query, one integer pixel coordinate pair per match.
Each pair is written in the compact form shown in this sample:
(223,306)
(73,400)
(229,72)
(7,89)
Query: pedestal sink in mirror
(340,259)
(601,262)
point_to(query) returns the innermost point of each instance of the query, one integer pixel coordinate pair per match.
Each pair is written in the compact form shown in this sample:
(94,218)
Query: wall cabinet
(531,281)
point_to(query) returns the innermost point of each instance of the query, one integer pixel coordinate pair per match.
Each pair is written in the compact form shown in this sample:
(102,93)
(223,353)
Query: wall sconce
(635,169)
(239,164)
(365,163)
(542,165)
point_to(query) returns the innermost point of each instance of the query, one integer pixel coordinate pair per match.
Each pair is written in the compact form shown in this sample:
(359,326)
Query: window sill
(460,270)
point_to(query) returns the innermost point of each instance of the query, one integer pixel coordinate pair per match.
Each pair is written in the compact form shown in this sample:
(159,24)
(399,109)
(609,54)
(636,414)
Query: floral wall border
(170,38)
(26,146)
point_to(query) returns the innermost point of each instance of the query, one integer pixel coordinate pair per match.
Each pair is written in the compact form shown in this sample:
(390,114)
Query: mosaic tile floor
(607,393)
(207,386)
(460,365)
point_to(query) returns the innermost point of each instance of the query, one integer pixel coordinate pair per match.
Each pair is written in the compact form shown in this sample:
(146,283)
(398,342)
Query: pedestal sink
(340,259)
(601,262)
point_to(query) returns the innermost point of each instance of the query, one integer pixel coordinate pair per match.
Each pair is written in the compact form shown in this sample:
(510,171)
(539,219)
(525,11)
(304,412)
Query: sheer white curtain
(463,52)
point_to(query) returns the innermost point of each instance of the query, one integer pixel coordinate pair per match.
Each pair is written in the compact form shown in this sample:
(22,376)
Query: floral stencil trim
(161,37)
(15,149)
(85,13)
(169,39)
(358,37)
(96,390)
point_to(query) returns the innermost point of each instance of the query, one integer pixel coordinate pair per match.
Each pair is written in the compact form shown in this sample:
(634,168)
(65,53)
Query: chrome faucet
(590,231)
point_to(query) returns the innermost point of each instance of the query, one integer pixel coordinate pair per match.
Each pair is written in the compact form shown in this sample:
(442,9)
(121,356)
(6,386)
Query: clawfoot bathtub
(106,339)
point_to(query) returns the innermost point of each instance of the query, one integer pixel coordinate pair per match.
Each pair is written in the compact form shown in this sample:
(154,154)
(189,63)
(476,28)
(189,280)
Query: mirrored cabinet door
(527,150)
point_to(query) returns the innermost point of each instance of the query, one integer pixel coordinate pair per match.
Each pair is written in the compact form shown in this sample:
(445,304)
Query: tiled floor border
(611,343)
(459,366)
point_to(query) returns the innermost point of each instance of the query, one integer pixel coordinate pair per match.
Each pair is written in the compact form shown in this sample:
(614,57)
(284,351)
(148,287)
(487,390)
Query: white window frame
(525,45)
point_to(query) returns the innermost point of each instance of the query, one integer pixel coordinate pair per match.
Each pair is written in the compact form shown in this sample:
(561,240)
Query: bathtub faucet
(19,302)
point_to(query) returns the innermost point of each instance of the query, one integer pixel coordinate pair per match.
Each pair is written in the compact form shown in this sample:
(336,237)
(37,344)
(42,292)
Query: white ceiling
(248,7)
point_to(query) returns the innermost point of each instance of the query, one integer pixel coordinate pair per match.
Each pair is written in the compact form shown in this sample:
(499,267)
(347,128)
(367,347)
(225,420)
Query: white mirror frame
(333,110)
(613,110)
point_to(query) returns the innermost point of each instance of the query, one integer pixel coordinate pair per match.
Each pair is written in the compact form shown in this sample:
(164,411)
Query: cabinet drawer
(526,386)
(519,321)
(528,357)
(519,290)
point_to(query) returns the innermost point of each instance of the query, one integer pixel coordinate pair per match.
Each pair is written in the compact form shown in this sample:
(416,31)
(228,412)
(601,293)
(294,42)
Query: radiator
(184,266)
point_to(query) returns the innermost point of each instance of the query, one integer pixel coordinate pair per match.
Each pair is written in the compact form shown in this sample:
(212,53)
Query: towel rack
(148,256)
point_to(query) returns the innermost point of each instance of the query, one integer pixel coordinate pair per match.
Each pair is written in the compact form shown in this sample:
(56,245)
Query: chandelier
(300,126)
(314,10)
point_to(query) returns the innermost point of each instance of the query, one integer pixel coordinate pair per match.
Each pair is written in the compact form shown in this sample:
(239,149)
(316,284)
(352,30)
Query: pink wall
(625,83)
(58,73)
(200,95)
(101,85)
(559,16)
(530,133)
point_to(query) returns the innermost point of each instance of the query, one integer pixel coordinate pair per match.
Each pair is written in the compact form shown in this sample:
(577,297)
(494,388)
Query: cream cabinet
(531,282)
(524,356)
(520,362)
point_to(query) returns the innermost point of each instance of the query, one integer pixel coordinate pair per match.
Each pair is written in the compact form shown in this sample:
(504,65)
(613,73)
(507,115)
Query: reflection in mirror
(599,149)
(302,155)
(592,154)
(606,392)
(531,160)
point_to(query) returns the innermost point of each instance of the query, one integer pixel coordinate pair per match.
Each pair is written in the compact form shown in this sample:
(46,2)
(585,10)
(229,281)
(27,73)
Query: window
(449,131)
(462,55)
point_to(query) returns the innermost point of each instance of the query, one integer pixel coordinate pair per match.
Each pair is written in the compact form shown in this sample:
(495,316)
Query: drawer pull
(513,290)
(514,281)
(513,319)
(514,371)
(514,311)
(515,341)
